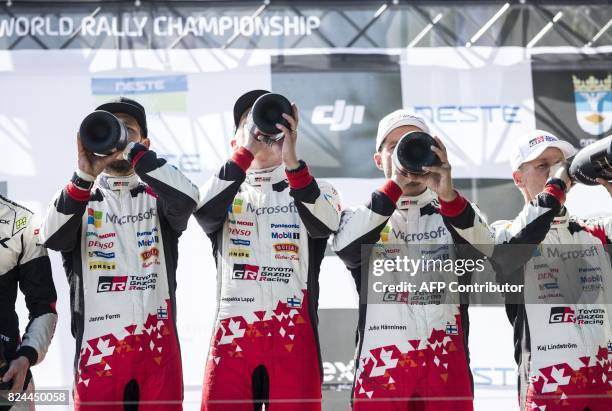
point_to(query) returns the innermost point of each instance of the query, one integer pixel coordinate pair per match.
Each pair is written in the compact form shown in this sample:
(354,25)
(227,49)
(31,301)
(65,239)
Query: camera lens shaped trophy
(268,111)
(413,152)
(102,133)
(593,161)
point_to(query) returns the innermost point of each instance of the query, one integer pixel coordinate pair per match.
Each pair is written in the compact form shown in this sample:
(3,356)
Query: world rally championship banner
(477,100)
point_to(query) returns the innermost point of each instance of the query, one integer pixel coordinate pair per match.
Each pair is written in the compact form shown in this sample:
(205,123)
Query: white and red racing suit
(119,245)
(562,328)
(412,353)
(24,264)
(269,230)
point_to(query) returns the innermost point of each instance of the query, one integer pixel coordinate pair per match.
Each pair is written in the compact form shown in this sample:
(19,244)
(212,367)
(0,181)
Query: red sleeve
(76,193)
(300,177)
(453,208)
(243,157)
(391,190)
(555,191)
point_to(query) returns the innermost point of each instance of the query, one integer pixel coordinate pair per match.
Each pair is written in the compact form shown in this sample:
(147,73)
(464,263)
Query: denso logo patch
(239,231)
(99,244)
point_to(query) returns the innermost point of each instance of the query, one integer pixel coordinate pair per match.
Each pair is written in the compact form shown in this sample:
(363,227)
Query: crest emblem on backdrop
(593,98)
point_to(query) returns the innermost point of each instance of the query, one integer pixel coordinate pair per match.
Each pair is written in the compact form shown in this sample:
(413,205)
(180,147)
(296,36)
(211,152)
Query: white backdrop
(45,94)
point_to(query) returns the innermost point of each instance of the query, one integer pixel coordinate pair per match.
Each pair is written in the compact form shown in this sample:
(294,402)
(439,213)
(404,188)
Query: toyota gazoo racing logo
(541,139)
(127,283)
(560,315)
(263,274)
(112,283)
(395,297)
(339,117)
(245,272)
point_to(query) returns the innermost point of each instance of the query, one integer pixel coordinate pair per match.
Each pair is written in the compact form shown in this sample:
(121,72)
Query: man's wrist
(292,165)
(448,196)
(29,353)
(82,180)
(557,182)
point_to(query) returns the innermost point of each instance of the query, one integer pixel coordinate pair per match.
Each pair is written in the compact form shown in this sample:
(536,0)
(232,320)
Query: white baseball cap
(530,145)
(397,119)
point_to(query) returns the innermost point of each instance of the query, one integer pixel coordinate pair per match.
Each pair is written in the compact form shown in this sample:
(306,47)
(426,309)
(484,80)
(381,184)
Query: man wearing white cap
(412,354)
(563,348)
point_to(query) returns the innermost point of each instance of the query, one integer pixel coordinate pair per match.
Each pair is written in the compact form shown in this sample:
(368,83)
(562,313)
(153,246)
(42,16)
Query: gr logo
(562,315)
(245,272)
(339,117)
(112,283)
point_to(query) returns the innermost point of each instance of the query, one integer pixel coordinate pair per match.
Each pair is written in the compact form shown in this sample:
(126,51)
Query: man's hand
(438,178)
(559,171)
(91,163)
(289,153)
(253,144)
(17,372)
(606,184)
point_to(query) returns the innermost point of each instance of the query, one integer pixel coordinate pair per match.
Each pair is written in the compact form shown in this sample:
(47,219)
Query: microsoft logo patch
(94,217)
(384,234)
(236,206)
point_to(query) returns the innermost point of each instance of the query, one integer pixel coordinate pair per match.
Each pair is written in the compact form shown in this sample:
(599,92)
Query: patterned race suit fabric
(119,245)
(563,347)
(269,230)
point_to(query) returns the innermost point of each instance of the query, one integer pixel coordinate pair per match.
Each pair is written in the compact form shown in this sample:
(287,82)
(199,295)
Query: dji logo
(340,117)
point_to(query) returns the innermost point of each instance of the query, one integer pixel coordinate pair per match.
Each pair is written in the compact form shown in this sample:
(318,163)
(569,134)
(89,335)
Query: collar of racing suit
(266,177)
(118,183)
(406,202)
(561,220)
